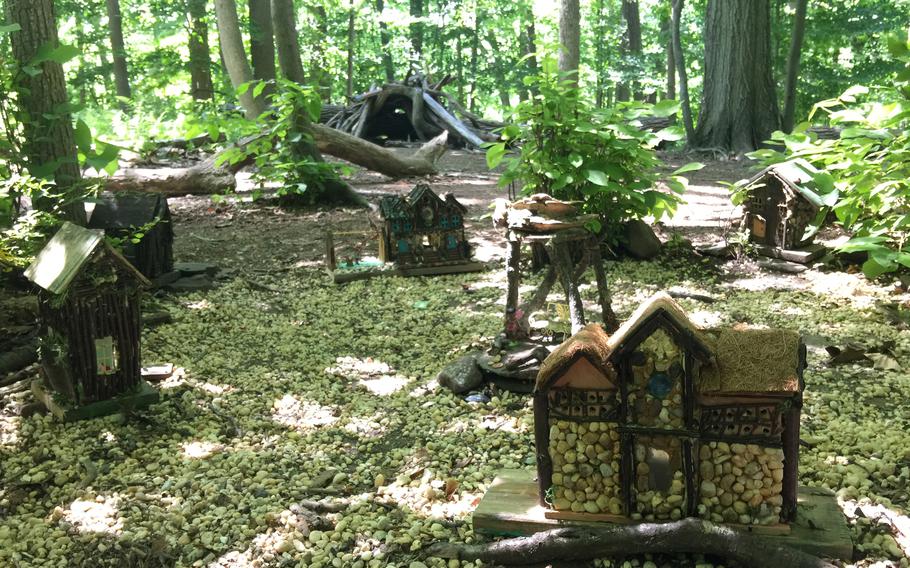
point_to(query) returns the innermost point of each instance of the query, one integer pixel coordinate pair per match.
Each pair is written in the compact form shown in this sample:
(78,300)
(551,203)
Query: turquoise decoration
(660,385)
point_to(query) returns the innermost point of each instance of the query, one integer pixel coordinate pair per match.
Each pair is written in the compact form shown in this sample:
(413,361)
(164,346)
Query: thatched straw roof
(590,342)
(751,361)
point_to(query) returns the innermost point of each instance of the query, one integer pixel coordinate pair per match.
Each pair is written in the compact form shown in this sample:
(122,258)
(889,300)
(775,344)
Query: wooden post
(513,277)
(611,323)
(561,257)
(330,251)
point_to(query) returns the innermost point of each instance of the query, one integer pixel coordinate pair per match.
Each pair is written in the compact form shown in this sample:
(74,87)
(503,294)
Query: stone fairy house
(780,204)
(89,305)
(663,420)
(122,214)
(422,229)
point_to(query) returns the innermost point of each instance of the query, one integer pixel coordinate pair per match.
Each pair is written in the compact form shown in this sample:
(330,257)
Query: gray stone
(640,241)
(191,284)
(194,268)
(461,375)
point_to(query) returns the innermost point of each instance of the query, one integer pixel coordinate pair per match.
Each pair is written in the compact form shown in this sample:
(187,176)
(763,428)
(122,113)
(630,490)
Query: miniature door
(659,483)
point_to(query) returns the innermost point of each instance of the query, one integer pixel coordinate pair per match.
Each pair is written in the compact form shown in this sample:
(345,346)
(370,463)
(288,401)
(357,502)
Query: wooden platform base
(342,276)
(510,508)
(143,396)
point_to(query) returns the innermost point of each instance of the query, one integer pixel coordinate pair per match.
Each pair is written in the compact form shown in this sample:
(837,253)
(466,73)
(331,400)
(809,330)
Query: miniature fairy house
(780,204)
(121,215)
(89,308)
(422,228)
(663,420)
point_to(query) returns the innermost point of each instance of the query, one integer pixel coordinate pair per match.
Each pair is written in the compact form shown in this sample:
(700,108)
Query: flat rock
(718,249)
(191,284)
(778,265)
(640,241)
(462,375)
(194,268)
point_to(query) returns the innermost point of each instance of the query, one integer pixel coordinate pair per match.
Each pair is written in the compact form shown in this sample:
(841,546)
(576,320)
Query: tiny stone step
(191,284)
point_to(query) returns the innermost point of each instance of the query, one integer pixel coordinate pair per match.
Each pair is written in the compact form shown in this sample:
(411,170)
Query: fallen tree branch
(379,159)
(685,536)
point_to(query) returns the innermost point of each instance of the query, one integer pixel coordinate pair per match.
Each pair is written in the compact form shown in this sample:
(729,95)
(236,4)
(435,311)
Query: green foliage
(600,157)
(21,242)
(864,177)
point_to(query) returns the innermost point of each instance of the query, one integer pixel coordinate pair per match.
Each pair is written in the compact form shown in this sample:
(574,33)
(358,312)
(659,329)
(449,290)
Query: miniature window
(407,227)
(584,405)
(396,226)
(106,356)
(742,422)
(444,222)
(456,220)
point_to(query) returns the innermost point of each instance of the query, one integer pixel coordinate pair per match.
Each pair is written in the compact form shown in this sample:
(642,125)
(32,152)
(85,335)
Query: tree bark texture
(379,159)
(569,38)
(48,139)
(262,46)
(284,22)
(796,49)
(665,32)
(385,38)
(529,44)
(680,61)
(739,103)
(416,28)
(234,56)
(201,87)
(349,86)
(631,45)
(685,536)
(115,27)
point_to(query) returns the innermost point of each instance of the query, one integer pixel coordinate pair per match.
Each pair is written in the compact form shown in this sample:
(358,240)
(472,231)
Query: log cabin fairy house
(779,205)
(88,301)
(422,228)
(663,420)
(121,215)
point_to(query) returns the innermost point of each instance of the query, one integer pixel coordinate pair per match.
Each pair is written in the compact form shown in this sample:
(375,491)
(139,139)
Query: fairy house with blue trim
(663,420)
(422,228)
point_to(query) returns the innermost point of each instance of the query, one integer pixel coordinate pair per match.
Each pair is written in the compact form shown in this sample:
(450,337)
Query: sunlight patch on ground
(291,411)
(96,516)
(375,376)
(893,522)
(202,304)
(201,449)
(366,427)
(9,430)
(428,498)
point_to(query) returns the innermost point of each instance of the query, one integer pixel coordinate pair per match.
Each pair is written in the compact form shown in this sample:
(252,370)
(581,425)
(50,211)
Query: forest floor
(293,389)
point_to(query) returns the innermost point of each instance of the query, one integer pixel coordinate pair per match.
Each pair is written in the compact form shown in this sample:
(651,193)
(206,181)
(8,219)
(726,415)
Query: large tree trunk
(207,178)
(739,103)
(115,27)
(665,32)
(49,145)
(416,28)
(284,21)
(796,49)
(569,38)
(680,60)
(587,543)
(234,56)
(384,39)
(262,46)
(201,86)
(631,45)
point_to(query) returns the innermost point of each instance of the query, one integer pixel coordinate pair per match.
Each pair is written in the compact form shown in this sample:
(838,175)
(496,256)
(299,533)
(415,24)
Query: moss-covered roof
(592,342)
(751,360)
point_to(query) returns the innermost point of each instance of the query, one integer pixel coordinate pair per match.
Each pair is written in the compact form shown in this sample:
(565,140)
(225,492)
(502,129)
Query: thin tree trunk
(667,34)
(234,56)
(115,26)
(680,61)
(459,64)
(201,86)
(49,144)
(739,102)
(349,87)
(384,39)
(262,46)
(599,55)
(528,44)
(631,47)
(475,47)
(284,20)
(796,49)
(569,38)
(416,28)
(499,71)
(320,78)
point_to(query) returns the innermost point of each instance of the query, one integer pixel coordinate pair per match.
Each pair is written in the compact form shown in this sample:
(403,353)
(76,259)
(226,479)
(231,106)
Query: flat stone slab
(194,268)
(143,396)
(191,284)
(510,508)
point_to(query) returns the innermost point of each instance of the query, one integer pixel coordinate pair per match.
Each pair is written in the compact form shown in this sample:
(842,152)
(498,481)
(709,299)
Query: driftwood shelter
(779,207)
(121,214)
(89,306)
(662,420)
